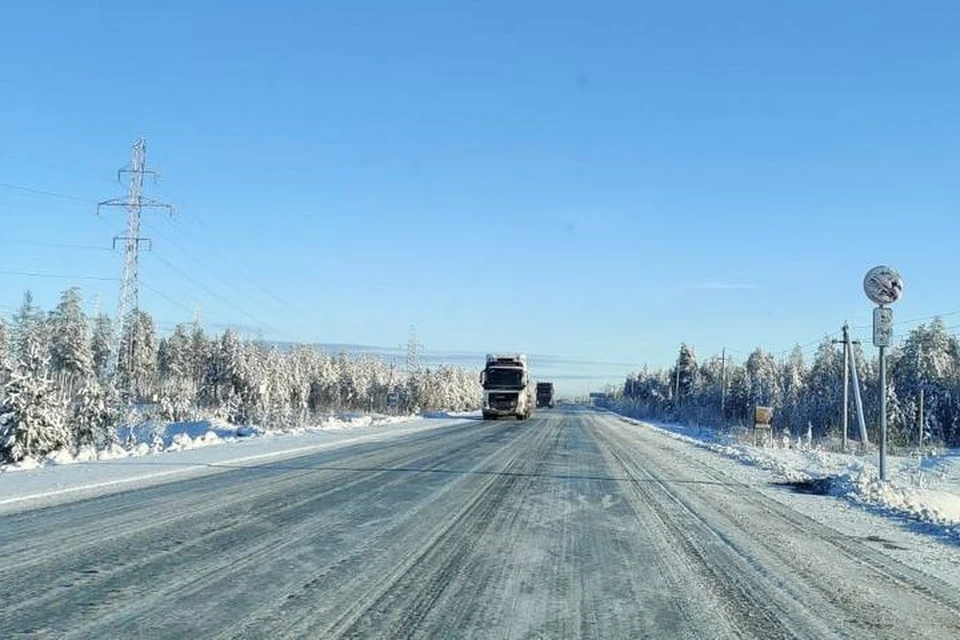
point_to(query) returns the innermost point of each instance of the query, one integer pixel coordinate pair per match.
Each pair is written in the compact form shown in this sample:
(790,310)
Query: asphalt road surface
(572,524)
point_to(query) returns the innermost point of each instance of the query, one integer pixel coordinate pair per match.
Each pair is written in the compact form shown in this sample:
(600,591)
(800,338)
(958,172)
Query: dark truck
(545,394)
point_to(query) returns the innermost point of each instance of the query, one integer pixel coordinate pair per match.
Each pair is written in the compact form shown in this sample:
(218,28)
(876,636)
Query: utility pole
(920,417)
(920,424)
(723,387)
(861,420)
(676,384)
(129,300)
(883,412)
(847,353)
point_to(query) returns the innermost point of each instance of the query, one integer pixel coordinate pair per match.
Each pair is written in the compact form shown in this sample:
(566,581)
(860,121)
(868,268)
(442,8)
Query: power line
(137,240)
(43,192)
(204,265)
(53,245)
(239,267)
(63,276)
(216,295)
(169,299)
(211,233)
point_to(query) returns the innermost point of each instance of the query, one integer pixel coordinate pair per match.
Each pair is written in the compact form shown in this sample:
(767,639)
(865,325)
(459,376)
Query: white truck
(507,389)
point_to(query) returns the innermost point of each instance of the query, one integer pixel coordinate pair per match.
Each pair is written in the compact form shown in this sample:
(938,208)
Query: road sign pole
(883,413)
(883,286)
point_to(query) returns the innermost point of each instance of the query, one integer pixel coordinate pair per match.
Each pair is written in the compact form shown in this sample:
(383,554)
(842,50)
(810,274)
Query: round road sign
(883,285)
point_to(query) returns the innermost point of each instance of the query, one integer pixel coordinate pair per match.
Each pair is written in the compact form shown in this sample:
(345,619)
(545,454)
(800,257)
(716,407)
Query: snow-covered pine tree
(31,409)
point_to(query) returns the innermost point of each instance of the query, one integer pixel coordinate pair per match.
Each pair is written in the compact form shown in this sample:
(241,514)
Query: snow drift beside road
(924,489)
(186,451)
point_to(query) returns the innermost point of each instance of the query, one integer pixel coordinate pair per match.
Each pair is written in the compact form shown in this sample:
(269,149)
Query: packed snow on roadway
(922,488)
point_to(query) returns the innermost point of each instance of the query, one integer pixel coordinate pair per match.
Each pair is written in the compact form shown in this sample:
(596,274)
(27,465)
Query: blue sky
(595,181)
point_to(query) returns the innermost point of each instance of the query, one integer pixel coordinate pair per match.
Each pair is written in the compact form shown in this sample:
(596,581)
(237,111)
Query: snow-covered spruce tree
(101,341)
(687,374)
(794,388)
(277,408)
(706,398)
(94,414)
(199,353)
(3,341)
(300,373)
(928,360)
(31,409)
(824,399)
(137,362)
(762,372)
(177,392)
(31,335)
(71,356)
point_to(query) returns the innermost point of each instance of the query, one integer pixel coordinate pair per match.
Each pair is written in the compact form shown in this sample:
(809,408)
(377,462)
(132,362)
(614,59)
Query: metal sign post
(883,286)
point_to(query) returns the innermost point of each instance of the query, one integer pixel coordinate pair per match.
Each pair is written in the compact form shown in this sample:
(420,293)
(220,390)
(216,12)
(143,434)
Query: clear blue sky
(596,181)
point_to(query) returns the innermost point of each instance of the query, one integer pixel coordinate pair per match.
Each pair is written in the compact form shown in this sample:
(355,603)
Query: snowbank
(925,489)
(151,438)
(184,450)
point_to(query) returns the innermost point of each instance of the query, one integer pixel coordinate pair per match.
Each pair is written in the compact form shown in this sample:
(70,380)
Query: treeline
(62,386)
(810,395)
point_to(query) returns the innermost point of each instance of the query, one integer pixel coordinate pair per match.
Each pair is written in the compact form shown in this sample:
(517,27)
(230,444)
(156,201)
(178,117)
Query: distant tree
(686,372)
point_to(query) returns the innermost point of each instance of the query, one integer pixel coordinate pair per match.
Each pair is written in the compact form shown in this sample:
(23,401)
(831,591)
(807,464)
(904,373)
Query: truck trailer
(545,394)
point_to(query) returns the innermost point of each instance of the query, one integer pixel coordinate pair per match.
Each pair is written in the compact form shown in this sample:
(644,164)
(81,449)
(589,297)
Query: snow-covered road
(572,524)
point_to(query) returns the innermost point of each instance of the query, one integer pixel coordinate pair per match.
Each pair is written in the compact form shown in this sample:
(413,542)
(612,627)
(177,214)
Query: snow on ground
(155,453)
(924,489)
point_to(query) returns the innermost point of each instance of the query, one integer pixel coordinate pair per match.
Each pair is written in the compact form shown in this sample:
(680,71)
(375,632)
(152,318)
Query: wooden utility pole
(723,387)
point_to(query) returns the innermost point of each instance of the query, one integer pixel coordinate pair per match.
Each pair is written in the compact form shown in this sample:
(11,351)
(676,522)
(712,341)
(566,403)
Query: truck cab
(507,390)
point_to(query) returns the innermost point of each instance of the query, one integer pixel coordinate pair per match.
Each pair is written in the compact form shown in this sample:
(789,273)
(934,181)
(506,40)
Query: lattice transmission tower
(134,202)
(414,349)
